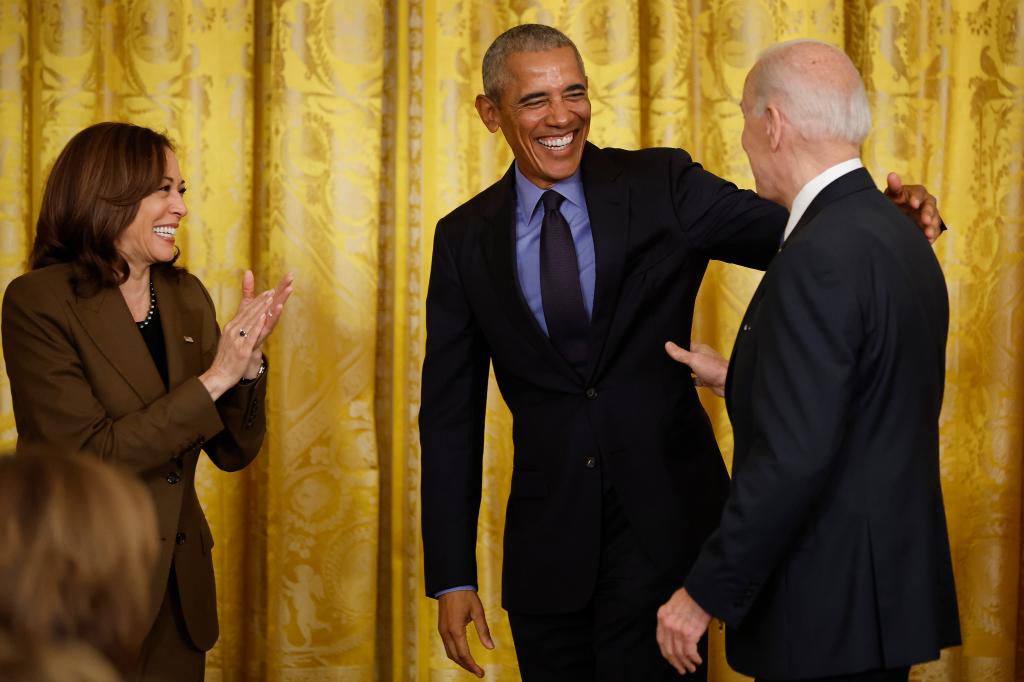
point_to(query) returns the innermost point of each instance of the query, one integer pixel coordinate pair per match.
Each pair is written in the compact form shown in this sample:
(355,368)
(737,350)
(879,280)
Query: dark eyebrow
(575,87)
(532,95)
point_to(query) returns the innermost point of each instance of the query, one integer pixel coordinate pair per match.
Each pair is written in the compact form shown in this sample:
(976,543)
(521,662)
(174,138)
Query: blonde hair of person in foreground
(78,540)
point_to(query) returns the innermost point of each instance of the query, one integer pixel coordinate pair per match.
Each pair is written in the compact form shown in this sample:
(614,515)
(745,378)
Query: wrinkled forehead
(557,65)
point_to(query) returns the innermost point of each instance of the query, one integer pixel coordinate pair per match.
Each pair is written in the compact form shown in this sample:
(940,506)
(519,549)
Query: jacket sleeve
(807,336)
(55,405)
(451,420)
(722,221)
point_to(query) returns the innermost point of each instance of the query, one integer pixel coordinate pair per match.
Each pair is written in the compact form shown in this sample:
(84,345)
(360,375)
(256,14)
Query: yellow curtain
(328,136)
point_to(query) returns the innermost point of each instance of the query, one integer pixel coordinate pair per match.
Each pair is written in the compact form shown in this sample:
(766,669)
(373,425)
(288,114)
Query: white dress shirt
(813,188)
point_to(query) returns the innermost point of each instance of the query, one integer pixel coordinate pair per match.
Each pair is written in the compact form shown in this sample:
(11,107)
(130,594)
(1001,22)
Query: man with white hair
(832,557)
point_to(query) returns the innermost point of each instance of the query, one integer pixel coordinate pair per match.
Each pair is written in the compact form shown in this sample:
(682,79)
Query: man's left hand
(917,204)
(681,624)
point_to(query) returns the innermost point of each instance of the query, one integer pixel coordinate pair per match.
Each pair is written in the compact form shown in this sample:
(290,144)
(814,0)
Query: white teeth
(165,231)
(556,142)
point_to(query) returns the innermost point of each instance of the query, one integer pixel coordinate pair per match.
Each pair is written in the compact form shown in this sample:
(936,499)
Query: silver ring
(243,333)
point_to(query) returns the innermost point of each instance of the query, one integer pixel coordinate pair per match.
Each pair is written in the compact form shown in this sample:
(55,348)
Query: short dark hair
(522,38)
(92,194)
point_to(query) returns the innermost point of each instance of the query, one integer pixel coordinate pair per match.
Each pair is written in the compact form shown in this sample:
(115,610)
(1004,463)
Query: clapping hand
(240,348)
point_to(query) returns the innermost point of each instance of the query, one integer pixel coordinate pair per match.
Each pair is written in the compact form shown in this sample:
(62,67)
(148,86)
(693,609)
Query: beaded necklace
(152,307)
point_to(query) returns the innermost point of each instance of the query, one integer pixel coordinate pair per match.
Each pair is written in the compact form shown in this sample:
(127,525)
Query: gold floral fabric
(328,136)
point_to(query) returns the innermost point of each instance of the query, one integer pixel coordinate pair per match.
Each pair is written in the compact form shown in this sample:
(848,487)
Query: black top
(153,335)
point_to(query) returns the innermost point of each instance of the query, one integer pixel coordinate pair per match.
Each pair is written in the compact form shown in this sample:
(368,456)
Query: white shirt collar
(813,188)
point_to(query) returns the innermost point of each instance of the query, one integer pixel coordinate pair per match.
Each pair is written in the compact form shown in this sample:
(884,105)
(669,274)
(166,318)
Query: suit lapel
(608,209)
(498,242)
(107,320)
(178,318)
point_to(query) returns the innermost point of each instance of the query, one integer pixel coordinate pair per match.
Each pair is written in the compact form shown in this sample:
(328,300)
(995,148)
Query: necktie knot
(551,200)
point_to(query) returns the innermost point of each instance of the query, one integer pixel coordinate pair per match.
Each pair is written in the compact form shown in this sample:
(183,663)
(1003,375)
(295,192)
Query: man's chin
(563,168)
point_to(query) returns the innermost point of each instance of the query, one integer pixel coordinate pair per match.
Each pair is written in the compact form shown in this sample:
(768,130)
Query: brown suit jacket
(82,379)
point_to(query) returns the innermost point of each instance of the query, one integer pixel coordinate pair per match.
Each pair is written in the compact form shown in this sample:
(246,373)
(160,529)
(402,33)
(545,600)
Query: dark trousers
(894,675)
(614,637)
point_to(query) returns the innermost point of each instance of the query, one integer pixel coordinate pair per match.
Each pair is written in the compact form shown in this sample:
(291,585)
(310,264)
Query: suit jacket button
(179,539)
(591,393)
(173,478)
(591,462)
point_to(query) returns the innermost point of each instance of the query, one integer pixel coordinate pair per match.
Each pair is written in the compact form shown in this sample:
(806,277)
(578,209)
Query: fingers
(244,333)
(456,646)
(248,285)
(894,187)
(681,625)
(280,295)
(691,654)
(930,220)
(704,349)
(455,611)
(482,631)
(917,196)
(285,283)
(249,312)
(251,319)
(682,656)
(464,657)
(667,649)
(677,353)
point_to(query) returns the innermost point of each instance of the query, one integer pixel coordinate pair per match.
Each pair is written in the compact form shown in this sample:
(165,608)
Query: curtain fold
(327,137)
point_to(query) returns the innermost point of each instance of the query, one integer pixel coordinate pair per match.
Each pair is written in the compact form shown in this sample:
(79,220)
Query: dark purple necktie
(560,289)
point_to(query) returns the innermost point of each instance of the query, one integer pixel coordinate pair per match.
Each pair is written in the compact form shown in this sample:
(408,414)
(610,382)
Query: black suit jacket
(631,419)
(832,555)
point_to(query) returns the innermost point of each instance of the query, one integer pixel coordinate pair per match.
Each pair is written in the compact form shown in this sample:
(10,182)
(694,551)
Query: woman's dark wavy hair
(93,194)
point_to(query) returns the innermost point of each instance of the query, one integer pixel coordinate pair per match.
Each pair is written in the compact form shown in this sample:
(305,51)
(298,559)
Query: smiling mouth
(165,231)
(557,143)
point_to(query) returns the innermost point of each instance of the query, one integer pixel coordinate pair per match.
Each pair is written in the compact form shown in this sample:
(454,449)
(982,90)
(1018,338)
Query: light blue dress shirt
(529,216)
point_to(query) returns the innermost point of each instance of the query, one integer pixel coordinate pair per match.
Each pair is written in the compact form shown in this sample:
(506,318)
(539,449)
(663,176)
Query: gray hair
(522,38)
(833,107)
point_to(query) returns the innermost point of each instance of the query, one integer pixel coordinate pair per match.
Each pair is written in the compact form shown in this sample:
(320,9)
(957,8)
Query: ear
(773,125)
(488,111)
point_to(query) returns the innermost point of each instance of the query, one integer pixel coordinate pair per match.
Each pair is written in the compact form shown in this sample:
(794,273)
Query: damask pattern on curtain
(328,136)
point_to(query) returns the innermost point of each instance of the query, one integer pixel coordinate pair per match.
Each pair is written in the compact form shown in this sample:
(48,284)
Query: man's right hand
(455,610)
(709,368)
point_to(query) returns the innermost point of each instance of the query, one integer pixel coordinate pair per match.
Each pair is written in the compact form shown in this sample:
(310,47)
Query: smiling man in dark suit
(832,558)
(567,275)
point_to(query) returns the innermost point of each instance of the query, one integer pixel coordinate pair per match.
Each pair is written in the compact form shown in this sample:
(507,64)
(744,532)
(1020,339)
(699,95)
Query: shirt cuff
(460,588)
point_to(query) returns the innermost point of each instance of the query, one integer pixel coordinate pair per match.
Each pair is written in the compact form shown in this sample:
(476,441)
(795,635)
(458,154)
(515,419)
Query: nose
(558,113)
(178,206)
